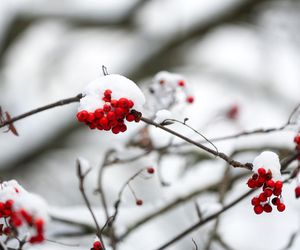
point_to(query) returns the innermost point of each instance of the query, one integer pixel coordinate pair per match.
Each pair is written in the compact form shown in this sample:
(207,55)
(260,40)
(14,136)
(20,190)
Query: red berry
(91,117)
(97,245)
(278,184)
(103,121)
(130,117)
(270,183)
(181,83)
(130,104)
(275,201)
(267,208)
(107,93)
(139,202)
(280,207)
(119,113)
(106,108)
(262,197)
(268,192)
(150,170)
(7,230)
(277,192)
(116,130)
(8,204)
(261,171)
(233,112)
(99,113)
(258,209)
(114,103)
(123,128)
(297,139)
(123,103)
(190,99)
(255,176)
(111,116)
(82,115)
(297,192)
(39,224)
(261,180)
(255,201)
(161,81)
(251,183)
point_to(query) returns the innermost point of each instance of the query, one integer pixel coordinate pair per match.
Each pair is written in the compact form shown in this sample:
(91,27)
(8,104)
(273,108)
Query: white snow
(162,115)
(120,87)
(269,161)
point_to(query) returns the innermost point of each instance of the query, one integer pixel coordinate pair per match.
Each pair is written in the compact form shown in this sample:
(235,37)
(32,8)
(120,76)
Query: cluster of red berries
(112,115)
(297,142)
(97,245)
(263,202)
(180,83)
(18,218)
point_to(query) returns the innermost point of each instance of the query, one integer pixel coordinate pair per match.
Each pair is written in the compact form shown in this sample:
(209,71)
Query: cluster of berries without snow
(112,115)
(271,192)
(297,148)
(97,245)
(19,215)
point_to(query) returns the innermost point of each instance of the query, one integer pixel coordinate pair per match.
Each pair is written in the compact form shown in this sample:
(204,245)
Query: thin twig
(81,177)
(223,156)
(38,110)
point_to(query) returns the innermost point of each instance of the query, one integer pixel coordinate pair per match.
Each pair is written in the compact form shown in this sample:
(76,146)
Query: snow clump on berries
(269,161)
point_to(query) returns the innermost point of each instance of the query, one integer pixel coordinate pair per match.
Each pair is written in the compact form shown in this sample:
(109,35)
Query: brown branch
(81,177)
(38,110)
(225,208)
(221,155)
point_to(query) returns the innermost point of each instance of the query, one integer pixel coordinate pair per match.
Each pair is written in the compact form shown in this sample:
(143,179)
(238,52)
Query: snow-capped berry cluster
(97,245)
(165,87)
(109,102)
(21,213)
(267,177)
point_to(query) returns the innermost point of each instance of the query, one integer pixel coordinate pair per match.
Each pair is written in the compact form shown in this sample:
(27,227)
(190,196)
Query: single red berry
(268,192)
(82,115)
(190,99)
(255,176)
(103,121)
(99,113)
(139,202)
(150,170)
(270,183)
(280,207)
(123,128)
(130,117)
(275,201)
(297,139)
(106,108)
(7,230)
(161,81)
(130,104)
(268,175)
(258,209)
(107,93)
(261,171)
(267,208)
(255,201)
(261,180)
(278,184)
(277,192)
(262,197)
(97,245)
(297,192)
(233,112)
(119,113)
(181,83)
(251,183)
(114,103)
(91,117)
(39,224)
(9,204)
(111,116)
(123,103)
(116,130)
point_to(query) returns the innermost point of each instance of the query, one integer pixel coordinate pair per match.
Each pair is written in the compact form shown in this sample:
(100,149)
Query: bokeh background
(232,52)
